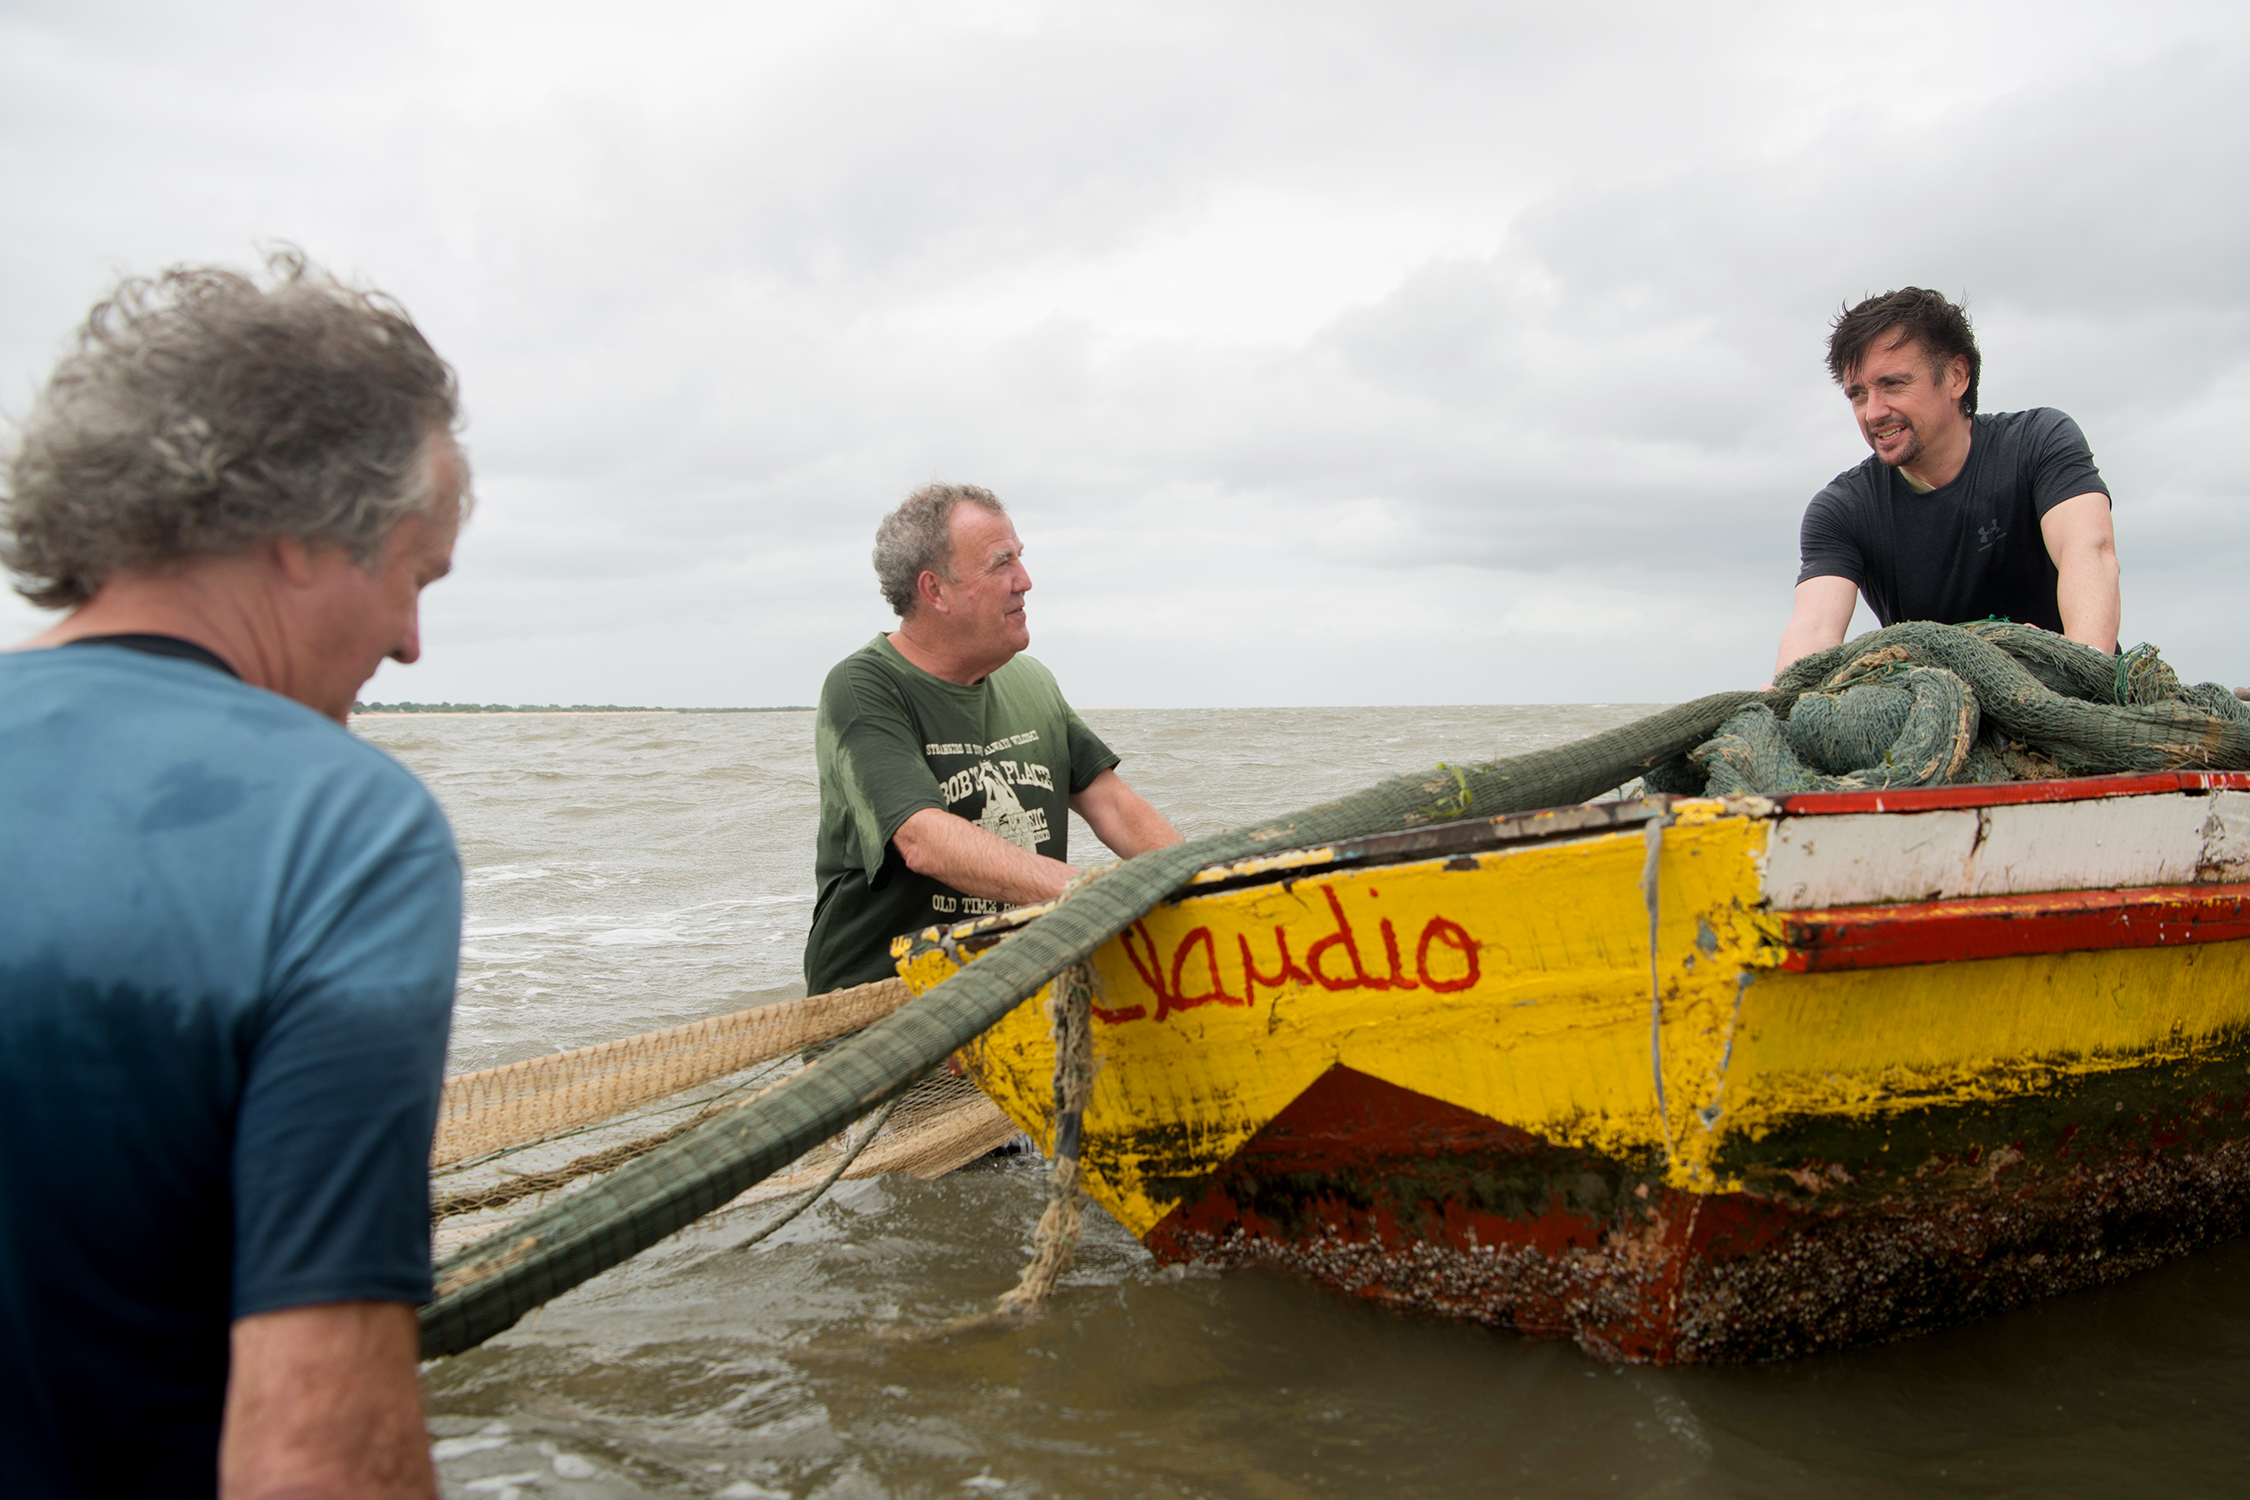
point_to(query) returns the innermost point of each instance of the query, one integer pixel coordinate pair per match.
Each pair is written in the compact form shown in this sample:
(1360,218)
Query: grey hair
(201,414)
(918,538)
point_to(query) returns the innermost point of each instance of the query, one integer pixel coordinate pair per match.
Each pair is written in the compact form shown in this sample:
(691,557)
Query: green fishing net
(1923,704)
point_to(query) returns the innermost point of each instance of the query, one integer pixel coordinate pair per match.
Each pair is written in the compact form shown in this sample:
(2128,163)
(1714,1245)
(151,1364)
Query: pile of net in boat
(1923,704)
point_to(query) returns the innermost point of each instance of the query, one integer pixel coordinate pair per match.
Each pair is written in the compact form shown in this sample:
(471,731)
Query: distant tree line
(561,708)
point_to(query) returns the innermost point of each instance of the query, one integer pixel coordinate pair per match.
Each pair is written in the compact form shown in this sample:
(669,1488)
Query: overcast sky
(1325,353)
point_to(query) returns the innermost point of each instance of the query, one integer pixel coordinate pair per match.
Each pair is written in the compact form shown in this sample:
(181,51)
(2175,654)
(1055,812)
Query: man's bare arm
(946,847)
(323,1402)
(1822,614)
(1121,817)
(2083,543)
(964,856)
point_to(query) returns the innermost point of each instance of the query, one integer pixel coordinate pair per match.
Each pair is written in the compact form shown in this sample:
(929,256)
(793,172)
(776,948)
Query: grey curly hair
(917,538)
(200,414)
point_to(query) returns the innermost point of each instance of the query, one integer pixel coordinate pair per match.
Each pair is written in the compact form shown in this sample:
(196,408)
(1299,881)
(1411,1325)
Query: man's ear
(1957,376)
(294,559)
(931,588)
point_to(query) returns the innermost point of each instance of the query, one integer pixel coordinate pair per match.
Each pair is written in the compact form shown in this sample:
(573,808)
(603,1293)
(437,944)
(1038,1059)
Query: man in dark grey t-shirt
(1956,516)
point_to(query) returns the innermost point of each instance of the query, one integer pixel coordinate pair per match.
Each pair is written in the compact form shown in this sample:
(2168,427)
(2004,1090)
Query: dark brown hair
(1913,312)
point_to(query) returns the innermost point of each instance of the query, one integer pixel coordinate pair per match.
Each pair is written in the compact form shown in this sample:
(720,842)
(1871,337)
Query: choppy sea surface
(632,871)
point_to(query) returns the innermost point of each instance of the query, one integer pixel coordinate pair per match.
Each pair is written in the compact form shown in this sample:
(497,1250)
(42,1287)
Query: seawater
(632,871)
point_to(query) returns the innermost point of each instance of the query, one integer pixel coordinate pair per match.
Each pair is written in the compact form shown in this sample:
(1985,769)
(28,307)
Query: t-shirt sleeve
(1827,544)
(2062,466)
(347,1060)
(877,760)
(1089,757)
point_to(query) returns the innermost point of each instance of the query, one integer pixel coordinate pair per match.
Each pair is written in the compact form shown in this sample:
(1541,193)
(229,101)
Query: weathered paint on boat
(1893,1060)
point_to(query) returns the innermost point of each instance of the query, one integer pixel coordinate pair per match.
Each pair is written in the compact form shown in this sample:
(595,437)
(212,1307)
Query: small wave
(502,875)
(635,937)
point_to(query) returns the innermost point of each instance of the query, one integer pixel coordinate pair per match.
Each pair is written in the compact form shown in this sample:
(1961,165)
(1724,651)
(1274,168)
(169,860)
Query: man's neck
(940,658)
(199,601)
(1940,462)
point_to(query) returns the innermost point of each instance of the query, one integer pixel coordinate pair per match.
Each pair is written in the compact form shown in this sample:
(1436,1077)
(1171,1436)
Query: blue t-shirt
(228,936)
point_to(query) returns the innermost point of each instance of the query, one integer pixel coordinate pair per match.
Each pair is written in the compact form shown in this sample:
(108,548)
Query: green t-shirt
(891,740)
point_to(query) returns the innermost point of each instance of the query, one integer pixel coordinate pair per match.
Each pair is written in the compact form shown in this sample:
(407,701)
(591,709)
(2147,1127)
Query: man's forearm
(1802,638)
(2087,595)
(976,863)
(1140,828)
(1798,642)
(325,1401)
(1818,618)
(1122,818)
(2082,541)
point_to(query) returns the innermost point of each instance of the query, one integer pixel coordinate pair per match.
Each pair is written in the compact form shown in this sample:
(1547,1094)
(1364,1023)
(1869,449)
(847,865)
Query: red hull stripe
(1928,932)
(2001,794)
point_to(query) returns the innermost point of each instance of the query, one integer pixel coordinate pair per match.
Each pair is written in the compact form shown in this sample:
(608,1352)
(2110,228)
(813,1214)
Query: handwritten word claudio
(1445,959)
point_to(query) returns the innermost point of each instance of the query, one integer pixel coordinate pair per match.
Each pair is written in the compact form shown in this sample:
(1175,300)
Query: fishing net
(1922,704)
(549,1125)
(541,1097)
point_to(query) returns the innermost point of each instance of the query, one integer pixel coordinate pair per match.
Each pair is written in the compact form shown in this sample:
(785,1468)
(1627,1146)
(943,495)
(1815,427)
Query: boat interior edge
(1467,836)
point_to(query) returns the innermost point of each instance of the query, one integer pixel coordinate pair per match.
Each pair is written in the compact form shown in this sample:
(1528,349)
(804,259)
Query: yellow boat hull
(1630,1073)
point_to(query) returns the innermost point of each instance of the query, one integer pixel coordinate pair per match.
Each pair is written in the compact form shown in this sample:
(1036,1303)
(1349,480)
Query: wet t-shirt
(228,935)
(1969,550)
(891,740)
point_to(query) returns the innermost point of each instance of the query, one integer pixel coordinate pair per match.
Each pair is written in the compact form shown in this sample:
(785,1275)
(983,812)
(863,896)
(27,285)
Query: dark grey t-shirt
(1967,550)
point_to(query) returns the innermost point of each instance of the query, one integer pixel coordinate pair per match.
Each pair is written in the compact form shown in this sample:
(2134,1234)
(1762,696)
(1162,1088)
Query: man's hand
(954,850)
(2083,543)
(1121,817)
(322,1402)
(1822,614)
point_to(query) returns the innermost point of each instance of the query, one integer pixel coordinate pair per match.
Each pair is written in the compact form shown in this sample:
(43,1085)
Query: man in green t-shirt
(950,764)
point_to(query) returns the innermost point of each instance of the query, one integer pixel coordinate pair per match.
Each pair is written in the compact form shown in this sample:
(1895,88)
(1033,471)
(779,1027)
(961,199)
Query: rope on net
(1055,1241)
(488,1286)
(1065,1215)
(873,1128)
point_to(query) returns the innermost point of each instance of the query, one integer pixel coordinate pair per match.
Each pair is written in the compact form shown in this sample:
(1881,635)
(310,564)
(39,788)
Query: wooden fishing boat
(1685,1079)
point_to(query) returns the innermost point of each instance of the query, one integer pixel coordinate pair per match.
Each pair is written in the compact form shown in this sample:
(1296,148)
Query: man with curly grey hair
(950,762)
(227,974)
